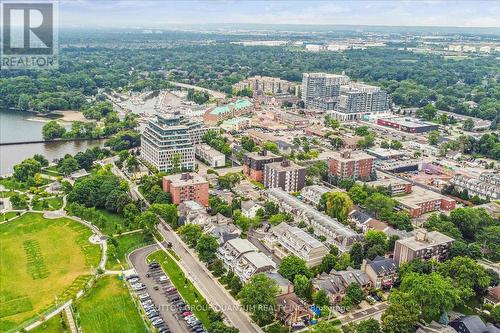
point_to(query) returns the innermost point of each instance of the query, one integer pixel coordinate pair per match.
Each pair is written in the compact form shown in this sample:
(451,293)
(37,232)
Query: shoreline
(63,116)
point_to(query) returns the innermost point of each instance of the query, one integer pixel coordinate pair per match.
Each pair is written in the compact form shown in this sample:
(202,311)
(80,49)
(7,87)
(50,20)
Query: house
(336,282)
(472,324)
(382,272)
(192,212)
(286,287)
(292,311)
(493,296)
(249,208)
(223,232)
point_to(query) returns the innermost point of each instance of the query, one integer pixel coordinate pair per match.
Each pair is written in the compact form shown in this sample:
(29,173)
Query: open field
(108,307)
(189,293)
(53,325)
(51,204)
(41,260)
(126,243)
(7,216)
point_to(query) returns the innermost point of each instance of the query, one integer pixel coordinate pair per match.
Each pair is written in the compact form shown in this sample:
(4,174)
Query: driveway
(138,260)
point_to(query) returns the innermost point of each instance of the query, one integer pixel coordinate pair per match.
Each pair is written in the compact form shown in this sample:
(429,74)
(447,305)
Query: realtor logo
(29,35)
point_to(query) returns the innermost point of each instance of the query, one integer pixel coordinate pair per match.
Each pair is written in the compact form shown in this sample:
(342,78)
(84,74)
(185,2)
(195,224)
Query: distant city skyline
(162,14)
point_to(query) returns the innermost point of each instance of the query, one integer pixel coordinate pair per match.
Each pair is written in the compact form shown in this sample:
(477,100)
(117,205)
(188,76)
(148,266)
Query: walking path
(71,320)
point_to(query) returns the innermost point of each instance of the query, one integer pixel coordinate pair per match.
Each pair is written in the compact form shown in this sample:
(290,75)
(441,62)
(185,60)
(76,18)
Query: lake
(23,126)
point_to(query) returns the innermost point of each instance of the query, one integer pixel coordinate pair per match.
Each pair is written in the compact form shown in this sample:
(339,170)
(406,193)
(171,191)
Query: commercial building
(351,164)
(210,156)
(383,272)
(422,201)
(168,141)
(286,175)
(255,162)
(185,187)
(487,186)
(266,84)
(385,154)
(357,100)
(243,258)
(292,120)
(407,124)
(312,194)
(298,242)
(424,245)
(236,124)
(219,113)
(335,232)
(321,90)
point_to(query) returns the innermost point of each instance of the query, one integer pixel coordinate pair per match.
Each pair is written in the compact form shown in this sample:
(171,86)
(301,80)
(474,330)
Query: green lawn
(7,194)
(51,171)
(114,223)
(54,325)
(13,184)
(126,243)
(108,307)
(7,216)
(41,260)
(55,203)
(189,293)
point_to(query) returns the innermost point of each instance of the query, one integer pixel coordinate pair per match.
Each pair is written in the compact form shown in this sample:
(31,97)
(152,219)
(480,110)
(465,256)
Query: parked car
(144,296)
(134,280)
(132,276)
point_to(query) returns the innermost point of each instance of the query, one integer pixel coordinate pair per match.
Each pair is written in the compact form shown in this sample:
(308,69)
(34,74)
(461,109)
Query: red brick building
(185,186)
(352,164)
(422,201)
(254,163)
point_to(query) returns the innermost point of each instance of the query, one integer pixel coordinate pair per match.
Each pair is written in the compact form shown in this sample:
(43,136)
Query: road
(214,293)
(138,260)
(216,94)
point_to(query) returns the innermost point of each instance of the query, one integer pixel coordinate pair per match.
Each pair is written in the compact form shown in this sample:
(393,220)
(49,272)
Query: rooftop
(235,121)
(239,104)
(418,196)
(410,122)
(242,245)
(298,234)
(261,155)
(424,239)
(350,155)
(258,259)
(185,179)
(284,166)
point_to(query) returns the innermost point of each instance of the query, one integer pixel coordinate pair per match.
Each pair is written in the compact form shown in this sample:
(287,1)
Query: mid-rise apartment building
(168,142)
(255,162)
(487,186)
(286,175)
(424,245)
(321,90)
(210,156)
(351,164)
(298,242)
(185,186)
(266,84)
(421,201)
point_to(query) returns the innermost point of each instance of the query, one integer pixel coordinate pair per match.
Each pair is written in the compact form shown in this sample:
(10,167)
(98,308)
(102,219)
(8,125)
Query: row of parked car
(173,296)
(150,308)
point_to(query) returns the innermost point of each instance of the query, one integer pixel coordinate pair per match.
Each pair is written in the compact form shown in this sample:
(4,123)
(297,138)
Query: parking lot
(161,301)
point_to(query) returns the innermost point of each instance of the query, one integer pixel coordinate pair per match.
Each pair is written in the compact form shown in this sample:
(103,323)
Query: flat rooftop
(258,156)
(239,104)
(284,166)
(431,238)
(354,155)
(418,196)
(183,179)
(410,122)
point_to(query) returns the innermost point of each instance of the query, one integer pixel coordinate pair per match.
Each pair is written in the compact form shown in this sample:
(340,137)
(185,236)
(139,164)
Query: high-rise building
(356,100)
(168,142)
(266,84)
(352,164)
(286,175)
(321,90)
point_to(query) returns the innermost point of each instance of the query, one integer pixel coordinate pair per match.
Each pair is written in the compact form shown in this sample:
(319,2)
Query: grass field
(52,204)
(114,223)
(7,216)
(53,325)
(189,293)
(126,243)
(108,307)
(41,259)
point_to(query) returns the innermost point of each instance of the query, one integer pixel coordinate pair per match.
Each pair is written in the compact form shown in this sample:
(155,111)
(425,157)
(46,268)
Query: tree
(68,165)
(368,326)
(168,212)
(326,327)
(402,314)
(356,253)
(434,293)
(328,263)
(258,297)
(220,327)
(434,137)
(53,130)
(337,205)
(291,266)
(468,124)
(375,237)
(321,298)
(397,145)
(190,233)
(380,205)
(469,220)
(355,293)
(490,242)
(428,112)
(358,194)
(26,169)
(302,286)
(495,314)
(207,246)
(41,159)
(466,274)
(147,220)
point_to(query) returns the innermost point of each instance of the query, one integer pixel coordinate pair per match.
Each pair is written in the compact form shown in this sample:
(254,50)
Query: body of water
(23,126)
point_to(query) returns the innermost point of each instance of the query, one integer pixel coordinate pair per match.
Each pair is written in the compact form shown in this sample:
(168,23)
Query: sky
(164,13)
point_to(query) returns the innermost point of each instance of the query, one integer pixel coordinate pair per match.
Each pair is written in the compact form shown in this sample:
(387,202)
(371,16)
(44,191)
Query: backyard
(43,261)
(108,307)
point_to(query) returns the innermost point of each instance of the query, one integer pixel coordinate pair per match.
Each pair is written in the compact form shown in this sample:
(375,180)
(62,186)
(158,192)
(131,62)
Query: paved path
(138,260)
(71,320)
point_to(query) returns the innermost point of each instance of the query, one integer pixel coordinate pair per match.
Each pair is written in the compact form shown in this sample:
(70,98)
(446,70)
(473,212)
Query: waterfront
(23,126)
